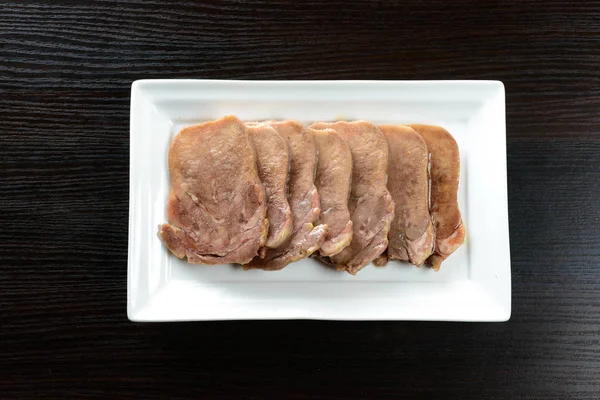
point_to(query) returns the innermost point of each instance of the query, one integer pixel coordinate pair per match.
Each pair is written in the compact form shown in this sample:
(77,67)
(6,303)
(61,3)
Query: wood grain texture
(65,73)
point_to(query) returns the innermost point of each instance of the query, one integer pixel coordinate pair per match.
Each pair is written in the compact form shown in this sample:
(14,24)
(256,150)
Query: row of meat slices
(265,194)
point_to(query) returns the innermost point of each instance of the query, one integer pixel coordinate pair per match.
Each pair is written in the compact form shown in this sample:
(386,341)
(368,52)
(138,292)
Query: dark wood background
(65,73)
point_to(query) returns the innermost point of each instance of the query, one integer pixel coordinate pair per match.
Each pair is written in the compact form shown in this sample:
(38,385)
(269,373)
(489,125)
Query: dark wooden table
(65,73)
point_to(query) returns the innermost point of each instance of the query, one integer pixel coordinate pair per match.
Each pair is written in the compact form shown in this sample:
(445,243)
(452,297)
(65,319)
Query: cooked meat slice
(216,207)
(370,204)
(306,238)
(334,171)
(272,160)
(445,173)
(411,233)
(382,260)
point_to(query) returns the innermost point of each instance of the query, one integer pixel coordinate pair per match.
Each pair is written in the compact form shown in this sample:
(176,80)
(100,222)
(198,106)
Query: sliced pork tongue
(216,207)
(334,173)
(370,204)
(273,159)
(411,234)
(307,236)
(445,173)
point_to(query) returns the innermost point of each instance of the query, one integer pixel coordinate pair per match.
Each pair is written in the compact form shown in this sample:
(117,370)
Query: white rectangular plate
(472,285)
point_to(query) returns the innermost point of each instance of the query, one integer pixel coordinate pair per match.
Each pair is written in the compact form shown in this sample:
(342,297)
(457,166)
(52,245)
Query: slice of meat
(370,204)
(411,233)
(445,173)
(334,172)
(272,160)
(216,207)
(303,198)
